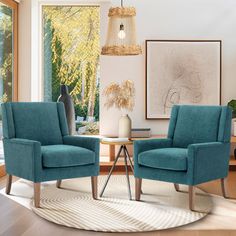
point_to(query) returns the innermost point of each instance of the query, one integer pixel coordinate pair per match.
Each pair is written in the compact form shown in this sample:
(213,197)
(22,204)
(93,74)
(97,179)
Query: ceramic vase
(69,108)
(125,126)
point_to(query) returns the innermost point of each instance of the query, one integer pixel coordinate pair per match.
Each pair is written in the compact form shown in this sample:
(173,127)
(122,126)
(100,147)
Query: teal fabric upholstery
(8,128)
(23,158)
(200,135)
(36,122)
(34,147)
(85,142)
(66,156)
(193,119)
(165,158)
(149,144)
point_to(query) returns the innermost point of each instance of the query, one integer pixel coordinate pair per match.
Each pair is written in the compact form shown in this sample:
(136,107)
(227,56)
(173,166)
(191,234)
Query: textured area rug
(221,216)
(161,206)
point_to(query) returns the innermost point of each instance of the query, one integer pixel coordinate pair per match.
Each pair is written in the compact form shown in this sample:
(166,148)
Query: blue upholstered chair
(37,146)
(196,150)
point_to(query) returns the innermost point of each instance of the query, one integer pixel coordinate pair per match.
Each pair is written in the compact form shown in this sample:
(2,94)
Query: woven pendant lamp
(121,35)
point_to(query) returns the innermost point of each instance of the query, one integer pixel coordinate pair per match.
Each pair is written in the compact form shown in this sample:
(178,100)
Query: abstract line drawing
(181,72)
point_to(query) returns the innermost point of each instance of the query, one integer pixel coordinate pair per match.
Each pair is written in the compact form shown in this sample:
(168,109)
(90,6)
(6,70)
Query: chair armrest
(23,158)
(208,161)
(145,145)
(90,143)
(149,144)
(22,141)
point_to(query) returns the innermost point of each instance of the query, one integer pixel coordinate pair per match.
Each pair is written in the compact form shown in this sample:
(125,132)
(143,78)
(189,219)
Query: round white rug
(161,207)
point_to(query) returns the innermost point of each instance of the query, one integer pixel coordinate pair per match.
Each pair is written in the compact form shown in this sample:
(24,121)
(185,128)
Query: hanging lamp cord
(122,3)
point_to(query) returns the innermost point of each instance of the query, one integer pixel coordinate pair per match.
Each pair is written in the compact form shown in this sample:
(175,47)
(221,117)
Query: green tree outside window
(71,57)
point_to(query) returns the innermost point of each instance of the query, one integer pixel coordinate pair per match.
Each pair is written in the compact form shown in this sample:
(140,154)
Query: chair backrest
(199,124)
(40,121)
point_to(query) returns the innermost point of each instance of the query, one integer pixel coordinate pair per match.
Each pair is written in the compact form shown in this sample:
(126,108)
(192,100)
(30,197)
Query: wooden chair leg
(191,197)
(94,182)
(176,187)
(223,187)
(141,191)
(138,184)
(37,195)
(58,184)
(8,185)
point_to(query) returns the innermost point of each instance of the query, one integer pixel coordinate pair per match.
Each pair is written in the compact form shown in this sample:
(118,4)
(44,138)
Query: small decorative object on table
(116,140)
(232,105)
(141,133)
(69,108)
(125,125)
(121,97)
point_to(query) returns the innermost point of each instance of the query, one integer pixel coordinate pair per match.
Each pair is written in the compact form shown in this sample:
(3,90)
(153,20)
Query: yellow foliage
(4,98)
(78,30)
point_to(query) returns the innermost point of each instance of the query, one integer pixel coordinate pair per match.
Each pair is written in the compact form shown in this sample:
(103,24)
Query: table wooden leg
(111,152)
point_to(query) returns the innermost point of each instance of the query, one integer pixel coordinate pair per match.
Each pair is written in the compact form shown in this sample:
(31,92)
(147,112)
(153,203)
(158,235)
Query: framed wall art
(181,72)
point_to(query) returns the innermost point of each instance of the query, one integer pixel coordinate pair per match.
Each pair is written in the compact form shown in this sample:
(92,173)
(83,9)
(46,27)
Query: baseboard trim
(119,168)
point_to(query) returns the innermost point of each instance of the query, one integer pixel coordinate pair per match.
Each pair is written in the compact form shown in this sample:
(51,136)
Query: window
(71,49)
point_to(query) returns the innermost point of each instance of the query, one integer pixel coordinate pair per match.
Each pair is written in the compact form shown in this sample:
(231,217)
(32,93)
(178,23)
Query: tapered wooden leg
(58,184)
(176,187)
(191,197)
(223,187)
(37,195)
(94,182)
(141,183)
(8,185)
(138,184)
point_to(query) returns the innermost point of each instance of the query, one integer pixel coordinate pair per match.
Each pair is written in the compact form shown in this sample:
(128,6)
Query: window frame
(14,6)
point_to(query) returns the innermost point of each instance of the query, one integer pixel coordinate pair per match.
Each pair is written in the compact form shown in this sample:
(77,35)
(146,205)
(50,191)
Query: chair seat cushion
(165,158)
(66,156)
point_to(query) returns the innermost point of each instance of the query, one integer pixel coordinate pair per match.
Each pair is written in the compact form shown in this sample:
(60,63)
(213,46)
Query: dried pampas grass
(120,96)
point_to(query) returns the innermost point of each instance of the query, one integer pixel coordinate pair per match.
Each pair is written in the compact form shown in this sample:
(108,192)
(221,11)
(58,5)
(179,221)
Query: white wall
(169,19)
(156,19)
(24,70)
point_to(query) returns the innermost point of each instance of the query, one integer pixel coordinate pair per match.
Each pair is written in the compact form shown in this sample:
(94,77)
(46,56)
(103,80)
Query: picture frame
(181,72)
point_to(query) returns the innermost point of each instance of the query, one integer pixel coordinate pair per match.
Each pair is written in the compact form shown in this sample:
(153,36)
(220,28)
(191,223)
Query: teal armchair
(37,146)
(196,150)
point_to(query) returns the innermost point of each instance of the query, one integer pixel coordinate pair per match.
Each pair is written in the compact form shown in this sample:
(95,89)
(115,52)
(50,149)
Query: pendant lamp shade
(121,35)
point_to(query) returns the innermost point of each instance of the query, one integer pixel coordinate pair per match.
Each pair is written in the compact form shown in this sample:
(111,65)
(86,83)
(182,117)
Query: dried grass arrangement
(120,96)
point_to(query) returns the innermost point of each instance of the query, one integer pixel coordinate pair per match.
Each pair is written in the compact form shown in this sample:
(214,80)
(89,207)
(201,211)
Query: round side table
(127,160)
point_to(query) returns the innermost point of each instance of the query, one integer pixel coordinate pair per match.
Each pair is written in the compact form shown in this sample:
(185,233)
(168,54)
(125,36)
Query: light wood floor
(16,220)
